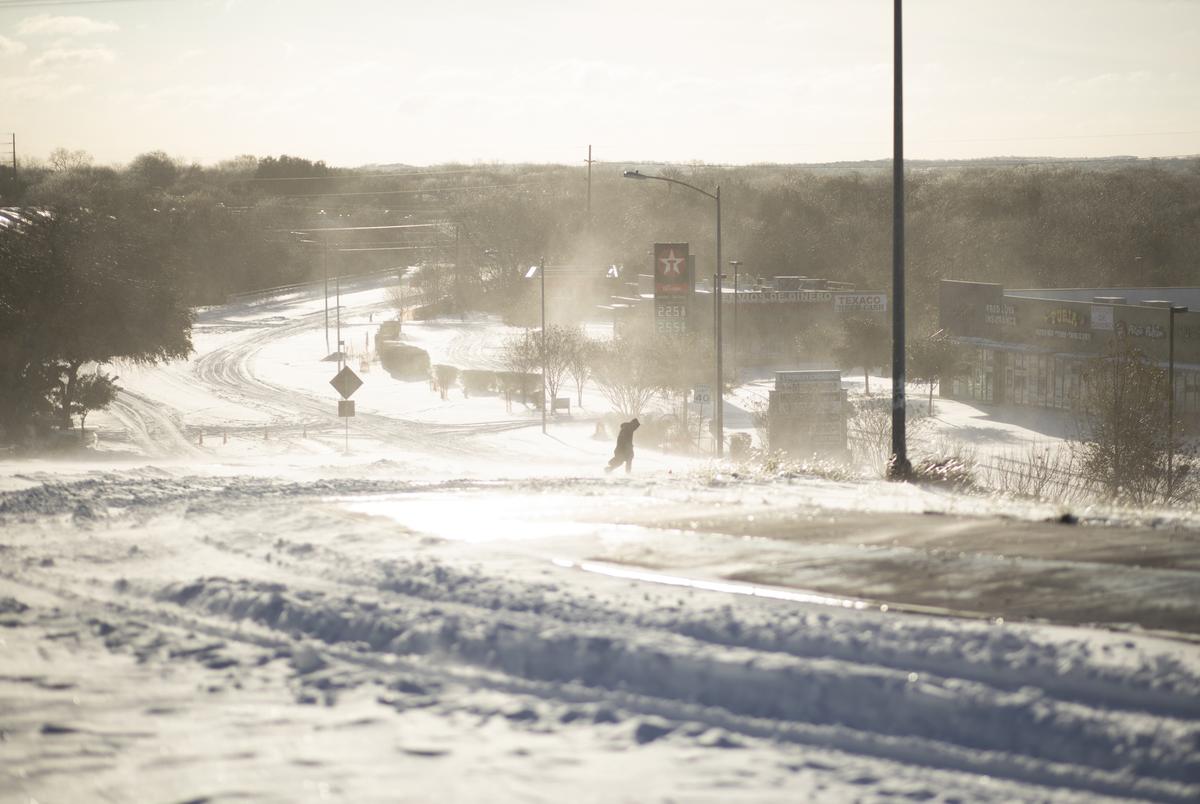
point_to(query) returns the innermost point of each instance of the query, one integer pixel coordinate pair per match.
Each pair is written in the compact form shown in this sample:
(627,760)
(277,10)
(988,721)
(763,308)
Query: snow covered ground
(221,602)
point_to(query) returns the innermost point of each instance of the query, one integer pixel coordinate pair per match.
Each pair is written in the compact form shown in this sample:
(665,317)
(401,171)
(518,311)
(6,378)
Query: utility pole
(325,263)
(458,290)
(1172,309)
(338,290)
(719,411)
(900,469)
(735,264)
(589,188)
(542,278)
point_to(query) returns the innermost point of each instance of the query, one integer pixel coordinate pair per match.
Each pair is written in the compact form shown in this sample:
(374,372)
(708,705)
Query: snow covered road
(464,609)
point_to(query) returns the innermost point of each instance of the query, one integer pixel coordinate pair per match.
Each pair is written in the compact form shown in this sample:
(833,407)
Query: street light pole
(719,405)
(325,264)
(337,281)
(735,264)
(719,409)
(542,278)
(901,468)
(1172,310)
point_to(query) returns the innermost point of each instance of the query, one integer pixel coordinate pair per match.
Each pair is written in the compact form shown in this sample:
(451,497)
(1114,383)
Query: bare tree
(1122,417)
(625,372)
(581,350)
(444,377)
(864,342)
(521,358)
(932,360)
(554,353)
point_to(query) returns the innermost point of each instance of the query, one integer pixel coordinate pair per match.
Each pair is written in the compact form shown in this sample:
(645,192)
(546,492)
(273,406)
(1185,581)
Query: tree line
(183,235)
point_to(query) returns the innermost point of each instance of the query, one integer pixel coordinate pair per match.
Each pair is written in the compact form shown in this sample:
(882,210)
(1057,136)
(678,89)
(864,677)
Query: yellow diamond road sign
(346,382)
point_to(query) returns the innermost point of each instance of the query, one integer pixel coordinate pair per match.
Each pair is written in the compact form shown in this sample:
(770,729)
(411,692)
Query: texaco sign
(673,287)
(860,302)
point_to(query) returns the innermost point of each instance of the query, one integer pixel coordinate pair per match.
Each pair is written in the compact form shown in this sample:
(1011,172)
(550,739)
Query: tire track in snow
(1006,703)
(227,371)
(151,425)
(955,724)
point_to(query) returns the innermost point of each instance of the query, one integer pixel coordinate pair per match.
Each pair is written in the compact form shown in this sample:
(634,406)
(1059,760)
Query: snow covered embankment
(1033,707)
(1001,703)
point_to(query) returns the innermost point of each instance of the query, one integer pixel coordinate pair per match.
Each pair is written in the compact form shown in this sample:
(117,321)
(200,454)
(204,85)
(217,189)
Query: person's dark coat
(625,437)
(623,454)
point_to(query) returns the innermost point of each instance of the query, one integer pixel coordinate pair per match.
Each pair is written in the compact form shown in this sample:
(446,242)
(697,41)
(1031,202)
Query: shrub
(402,361)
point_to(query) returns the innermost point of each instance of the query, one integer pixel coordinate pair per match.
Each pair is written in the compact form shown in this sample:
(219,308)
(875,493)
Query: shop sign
(860,302)
(1004,315)
(1065,334)
(1064,317)
(809,381)
(672,274)
(673,284)
(781,297)
(1126,330)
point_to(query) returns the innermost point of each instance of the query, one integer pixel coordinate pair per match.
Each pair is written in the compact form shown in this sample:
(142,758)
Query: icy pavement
(246,637)
(224,605)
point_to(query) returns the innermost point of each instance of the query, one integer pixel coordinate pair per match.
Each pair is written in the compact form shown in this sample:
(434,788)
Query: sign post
(346,382)
(701,396)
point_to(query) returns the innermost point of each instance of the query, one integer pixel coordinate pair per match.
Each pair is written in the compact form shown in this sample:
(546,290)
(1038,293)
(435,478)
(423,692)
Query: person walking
(623,454)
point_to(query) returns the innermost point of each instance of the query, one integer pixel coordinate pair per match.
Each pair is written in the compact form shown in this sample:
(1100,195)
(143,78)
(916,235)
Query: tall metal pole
(458,277)
(325,263)
(589,189)
(1170,401)
(542,278)
(900,467)
(719,410)
(337,281)
(734,351)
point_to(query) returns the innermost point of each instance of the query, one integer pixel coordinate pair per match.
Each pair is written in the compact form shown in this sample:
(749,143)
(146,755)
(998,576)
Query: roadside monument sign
(807,413)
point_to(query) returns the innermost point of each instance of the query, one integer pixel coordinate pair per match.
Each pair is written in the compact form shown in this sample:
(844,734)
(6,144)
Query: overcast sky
(373,81)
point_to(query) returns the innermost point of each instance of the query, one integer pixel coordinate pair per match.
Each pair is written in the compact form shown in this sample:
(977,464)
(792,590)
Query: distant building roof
(1189,296)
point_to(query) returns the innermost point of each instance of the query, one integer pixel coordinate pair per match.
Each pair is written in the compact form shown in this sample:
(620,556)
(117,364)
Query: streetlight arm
(634,174)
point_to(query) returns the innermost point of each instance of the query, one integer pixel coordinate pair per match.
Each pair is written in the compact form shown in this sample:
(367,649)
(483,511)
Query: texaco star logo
(671,264)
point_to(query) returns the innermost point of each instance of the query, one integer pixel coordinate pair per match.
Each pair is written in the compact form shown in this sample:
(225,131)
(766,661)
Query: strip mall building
(1028,347)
